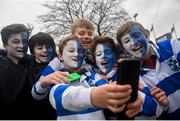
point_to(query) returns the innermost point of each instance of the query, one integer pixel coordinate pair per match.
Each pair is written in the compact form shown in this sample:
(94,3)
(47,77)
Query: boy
(160,64)
(14,85)
(42,48)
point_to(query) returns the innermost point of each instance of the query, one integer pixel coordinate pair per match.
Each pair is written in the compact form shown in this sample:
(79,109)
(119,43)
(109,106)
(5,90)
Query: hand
(111,96)
(54,78)
(160,96)
(135,107)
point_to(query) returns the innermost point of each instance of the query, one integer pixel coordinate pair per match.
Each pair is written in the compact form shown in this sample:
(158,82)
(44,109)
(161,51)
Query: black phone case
(128,73)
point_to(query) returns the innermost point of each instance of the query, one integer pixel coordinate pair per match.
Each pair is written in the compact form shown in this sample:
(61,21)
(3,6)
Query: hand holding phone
(128,73)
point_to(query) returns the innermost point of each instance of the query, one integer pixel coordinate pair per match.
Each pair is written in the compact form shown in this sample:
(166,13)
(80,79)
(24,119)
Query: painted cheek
(50,52)
(24,40)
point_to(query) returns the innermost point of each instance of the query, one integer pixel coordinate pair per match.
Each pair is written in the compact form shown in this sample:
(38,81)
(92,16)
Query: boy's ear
(60,56)
(4,46)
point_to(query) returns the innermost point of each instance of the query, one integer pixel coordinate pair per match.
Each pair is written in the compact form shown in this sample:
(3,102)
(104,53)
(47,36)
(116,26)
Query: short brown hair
(11,29)
(126,27)
(82,23)
(63,42)
(102,40)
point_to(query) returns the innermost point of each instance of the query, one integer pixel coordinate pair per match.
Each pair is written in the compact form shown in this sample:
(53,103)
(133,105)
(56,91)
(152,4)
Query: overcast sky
(161,13)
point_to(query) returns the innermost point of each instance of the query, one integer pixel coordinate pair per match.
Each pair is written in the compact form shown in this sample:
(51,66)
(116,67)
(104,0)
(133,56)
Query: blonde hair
(82,23)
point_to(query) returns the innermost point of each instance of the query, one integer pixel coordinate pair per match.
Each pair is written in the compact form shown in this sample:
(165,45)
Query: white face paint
(73,54)
(43,53)
(105,57)
(135,42)
(17,46)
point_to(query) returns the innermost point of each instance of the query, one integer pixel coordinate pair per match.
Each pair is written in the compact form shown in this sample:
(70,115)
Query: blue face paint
(50,52)
(139,39)
(105,57)
(24,39)
(81,53)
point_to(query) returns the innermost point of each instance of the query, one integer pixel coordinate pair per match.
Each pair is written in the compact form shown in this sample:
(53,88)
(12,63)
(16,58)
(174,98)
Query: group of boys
(15,84)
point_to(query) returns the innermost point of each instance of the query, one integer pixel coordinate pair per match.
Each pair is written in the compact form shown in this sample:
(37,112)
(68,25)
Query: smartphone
(128,73)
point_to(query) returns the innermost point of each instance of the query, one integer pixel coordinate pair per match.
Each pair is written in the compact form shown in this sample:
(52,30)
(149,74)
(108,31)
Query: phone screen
(128,73)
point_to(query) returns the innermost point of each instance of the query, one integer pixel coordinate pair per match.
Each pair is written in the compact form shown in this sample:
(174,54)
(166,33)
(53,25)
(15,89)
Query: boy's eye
(81,33)
(137,34)
(15,41)
(126,40)
(71,50)
(98,54)
(90,33)
(108,52)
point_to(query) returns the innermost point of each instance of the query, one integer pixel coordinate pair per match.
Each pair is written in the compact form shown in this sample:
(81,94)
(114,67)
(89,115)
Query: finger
(64,74)
(118,101)
(135,104)
(132,112)
(155,91)
(118,88)
(61,78)
(119,95)
(116,109)
(161,94)
(141,86)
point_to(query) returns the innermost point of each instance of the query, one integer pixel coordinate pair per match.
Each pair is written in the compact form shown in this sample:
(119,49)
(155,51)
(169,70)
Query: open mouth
(45,56)
(137,47)
(104,62)
(75,59)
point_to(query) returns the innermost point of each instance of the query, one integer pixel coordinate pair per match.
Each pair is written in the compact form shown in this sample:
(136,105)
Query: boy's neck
(14,60)
(72,69)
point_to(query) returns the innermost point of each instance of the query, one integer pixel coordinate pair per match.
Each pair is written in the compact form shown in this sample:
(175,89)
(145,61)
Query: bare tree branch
(105,14)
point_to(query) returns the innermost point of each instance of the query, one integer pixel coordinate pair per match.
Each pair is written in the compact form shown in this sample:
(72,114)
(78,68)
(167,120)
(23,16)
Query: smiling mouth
(20,51)
(75,59)
(136,48)
(104,62)
(45,56)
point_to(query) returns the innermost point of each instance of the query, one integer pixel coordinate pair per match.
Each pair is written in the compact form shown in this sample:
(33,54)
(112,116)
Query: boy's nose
(44,49)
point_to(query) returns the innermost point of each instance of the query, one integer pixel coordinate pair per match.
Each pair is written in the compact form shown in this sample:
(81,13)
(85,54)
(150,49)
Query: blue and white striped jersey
(166,75)
(73,100)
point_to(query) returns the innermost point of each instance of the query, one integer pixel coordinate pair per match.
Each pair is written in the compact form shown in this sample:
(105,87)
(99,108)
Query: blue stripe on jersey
(149,106)
(170,84)
(47,70)
(142,72)
(146,91)
(178,57)
(60,109)
(100,82)
(165,50)
(171,116)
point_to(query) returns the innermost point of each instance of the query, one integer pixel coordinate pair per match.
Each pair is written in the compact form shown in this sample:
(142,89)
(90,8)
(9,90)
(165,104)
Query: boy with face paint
(106,55)
(81,99)
(14,86)
(42,48)
(160,67)
(83,29)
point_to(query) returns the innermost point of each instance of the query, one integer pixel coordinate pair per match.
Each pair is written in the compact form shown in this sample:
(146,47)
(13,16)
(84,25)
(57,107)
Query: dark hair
(41,38)
(9,30)
(126,27)
(102,40)
(64,41)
